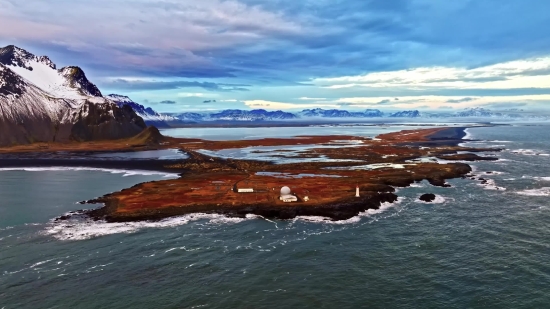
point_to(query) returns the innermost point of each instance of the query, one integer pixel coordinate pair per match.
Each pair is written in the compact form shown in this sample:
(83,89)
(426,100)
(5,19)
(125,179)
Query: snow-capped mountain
(150,116)
(406,114)
(252,115)
(235,115)
(39,102)
(340,113)
(190,117)
(477,112)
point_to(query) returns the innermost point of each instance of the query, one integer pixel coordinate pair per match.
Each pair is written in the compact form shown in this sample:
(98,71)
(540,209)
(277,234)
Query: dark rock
(428,197)
(106,122)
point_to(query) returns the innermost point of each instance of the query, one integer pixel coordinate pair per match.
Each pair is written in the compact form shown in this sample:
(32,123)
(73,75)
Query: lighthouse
(357,191)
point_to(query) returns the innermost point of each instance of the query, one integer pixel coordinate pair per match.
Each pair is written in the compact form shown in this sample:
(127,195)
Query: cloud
(284,105)
(141,85)
(435,102)
(311,99)
(460,100)
(506,105)
(190,94)
(527,73)
(259,49)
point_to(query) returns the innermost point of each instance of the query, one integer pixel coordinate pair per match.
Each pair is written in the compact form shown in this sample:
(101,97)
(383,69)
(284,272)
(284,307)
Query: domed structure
(286,195)
(285,190)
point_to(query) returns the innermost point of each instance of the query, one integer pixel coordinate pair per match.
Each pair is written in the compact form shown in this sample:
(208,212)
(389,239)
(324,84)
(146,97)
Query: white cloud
(311,99)
(438,101)
(190,94)
(183,24)
(527,73)
(283,105)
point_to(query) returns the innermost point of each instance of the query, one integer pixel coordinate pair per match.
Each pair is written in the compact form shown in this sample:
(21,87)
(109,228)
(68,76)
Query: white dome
(285,191)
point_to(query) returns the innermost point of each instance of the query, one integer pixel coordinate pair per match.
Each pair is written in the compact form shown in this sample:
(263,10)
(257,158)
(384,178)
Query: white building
(245,190)
(286,195)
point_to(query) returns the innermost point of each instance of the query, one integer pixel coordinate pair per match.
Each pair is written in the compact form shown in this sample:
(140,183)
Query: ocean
(478,246)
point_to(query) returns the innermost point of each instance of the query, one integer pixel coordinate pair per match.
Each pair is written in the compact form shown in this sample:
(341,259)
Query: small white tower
(357,191)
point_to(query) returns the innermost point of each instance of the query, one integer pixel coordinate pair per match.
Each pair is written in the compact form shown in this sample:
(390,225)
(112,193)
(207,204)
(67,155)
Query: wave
(491,185)
(536,178)
(81,229)
(40,263)
(493,173)
(529,152)
(535,192)
(367,213)
(417,185)
(125,173)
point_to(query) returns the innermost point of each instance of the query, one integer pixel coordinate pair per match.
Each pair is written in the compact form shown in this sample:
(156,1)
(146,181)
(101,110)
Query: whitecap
(80,229)
(491,185)
(536,178)
(535,192)
(40,263)
(529,152)
(367,213)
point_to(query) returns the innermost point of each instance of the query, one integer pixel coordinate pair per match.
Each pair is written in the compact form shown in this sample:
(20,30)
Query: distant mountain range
(329,114)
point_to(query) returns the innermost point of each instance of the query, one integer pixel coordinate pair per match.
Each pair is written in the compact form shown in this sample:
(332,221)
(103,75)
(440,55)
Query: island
(332,176)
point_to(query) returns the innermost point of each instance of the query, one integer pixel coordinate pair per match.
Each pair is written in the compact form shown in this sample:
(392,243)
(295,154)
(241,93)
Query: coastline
(193,191)
(208,184)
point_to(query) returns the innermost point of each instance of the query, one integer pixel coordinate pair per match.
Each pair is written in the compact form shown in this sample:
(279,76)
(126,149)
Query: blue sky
(286,54)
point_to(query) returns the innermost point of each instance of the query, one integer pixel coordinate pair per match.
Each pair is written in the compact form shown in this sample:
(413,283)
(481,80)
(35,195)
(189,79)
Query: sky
(189,55)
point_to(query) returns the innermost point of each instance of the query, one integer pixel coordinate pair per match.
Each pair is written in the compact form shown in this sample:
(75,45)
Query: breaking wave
(368,213)
(537,178)
(529,152)
(535,192)
(80,229)
(490,184)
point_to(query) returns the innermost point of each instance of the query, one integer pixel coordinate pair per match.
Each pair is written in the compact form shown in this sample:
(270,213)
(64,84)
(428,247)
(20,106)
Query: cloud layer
(303,53)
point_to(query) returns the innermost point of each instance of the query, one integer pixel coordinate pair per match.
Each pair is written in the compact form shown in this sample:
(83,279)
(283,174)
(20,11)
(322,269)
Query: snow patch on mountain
(147,113)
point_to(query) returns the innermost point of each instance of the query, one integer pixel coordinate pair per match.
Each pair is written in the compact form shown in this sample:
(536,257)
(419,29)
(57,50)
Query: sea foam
(367,213)
(535,192)
(80,229)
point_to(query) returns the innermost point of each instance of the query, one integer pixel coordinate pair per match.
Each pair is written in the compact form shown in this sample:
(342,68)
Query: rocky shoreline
(333,197)
(209,184)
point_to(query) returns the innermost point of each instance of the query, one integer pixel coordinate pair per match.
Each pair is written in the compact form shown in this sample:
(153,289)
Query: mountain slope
(150,116)
(41,103)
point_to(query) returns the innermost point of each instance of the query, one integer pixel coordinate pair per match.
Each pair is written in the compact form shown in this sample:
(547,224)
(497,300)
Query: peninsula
(331,176)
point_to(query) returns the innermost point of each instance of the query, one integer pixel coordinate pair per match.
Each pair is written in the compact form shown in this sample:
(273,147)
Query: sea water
(479,246)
